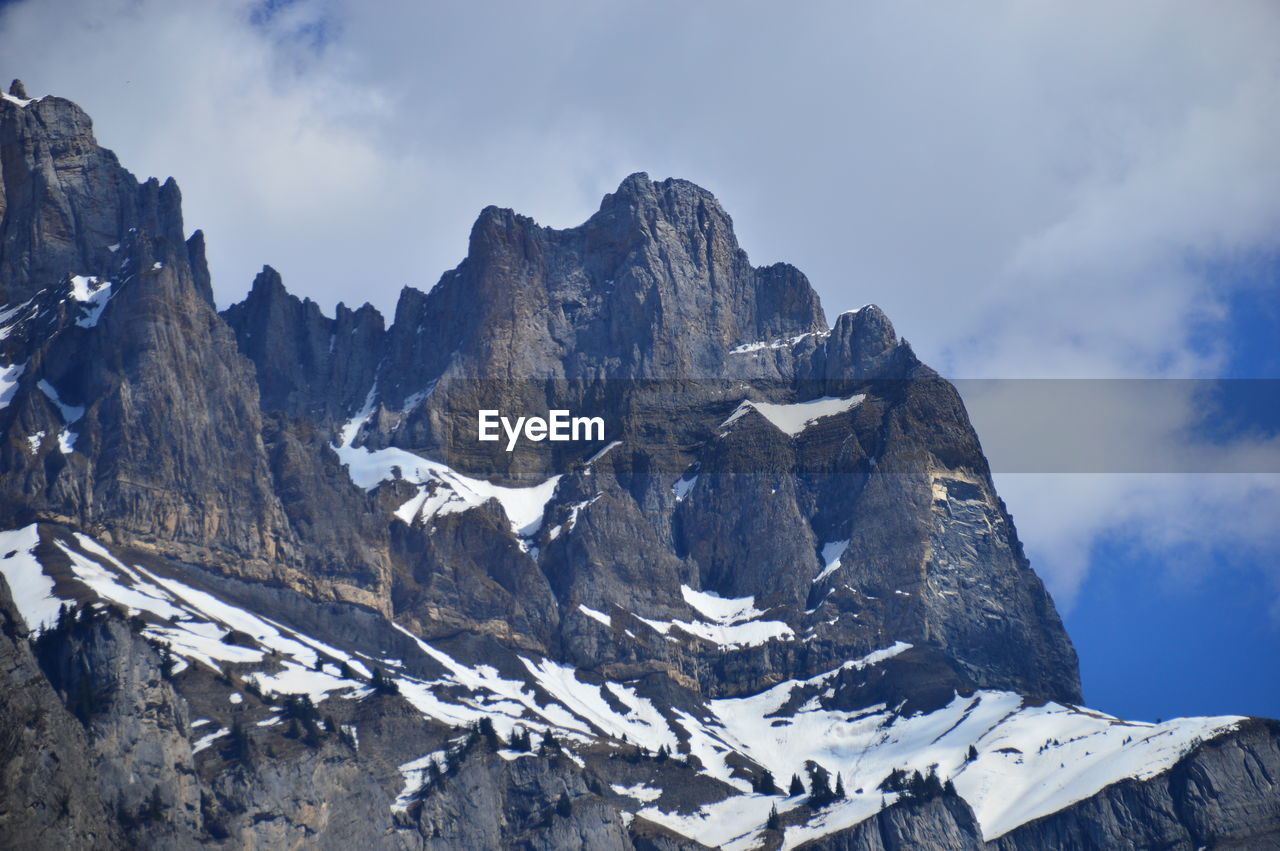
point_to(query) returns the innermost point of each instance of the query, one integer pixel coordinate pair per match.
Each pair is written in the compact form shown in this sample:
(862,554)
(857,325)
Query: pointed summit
(17,90)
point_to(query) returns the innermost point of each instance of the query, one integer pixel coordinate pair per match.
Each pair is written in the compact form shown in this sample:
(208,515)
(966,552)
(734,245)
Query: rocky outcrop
(308,365)
(941,822)
(49,794)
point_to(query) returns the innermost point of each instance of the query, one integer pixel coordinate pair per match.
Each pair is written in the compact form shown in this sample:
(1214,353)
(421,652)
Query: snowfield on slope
(1030,761)
(441,489)
(795,418)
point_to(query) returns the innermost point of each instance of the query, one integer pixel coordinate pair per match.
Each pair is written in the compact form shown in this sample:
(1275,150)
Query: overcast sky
(1029,189)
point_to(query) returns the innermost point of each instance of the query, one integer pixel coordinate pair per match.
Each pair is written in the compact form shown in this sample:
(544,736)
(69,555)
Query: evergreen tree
(765,785)
(382,684)
(839,787)
(486,731)
(167,662)
(797,788)
(820,794)
(154,808)
(520,740)
(773,823)
(662,753)
(241,746)
(972,754)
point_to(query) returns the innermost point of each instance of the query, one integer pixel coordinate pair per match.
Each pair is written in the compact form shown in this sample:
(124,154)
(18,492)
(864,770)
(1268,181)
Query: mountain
(263,584)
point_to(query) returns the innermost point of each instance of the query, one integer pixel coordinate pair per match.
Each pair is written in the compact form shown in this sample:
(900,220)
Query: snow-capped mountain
(264,585)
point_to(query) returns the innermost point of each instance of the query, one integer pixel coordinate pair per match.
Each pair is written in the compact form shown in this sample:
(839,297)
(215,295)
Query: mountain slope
(307,605)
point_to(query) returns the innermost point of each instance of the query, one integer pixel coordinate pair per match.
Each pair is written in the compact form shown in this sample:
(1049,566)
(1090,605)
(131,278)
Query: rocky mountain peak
(68,206)
(295,583)
(18,90)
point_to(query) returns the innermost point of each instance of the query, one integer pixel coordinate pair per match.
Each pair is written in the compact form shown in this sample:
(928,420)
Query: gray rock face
(944,822)
(308,365)
(206,447)
(48,794)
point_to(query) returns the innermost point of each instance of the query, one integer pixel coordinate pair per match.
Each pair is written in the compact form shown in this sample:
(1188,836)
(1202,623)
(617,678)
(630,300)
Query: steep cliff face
(308,606)
(132,410)
(650,315)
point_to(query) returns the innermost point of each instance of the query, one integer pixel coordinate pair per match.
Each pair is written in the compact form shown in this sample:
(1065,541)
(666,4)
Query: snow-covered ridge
(1025,762)
(795,418)
(17,101)
(780,343)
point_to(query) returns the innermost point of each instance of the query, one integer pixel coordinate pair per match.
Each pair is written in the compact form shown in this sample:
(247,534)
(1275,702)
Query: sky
(1031,190)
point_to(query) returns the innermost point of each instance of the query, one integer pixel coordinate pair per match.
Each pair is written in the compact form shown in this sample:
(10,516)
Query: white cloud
(1028,189)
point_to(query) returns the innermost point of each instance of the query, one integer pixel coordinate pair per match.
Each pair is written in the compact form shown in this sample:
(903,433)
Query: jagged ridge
(714,554)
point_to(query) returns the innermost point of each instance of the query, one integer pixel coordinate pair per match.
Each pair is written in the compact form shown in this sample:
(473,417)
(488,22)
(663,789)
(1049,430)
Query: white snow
(70,415)
(733,824)
(831,554)
(205,741)
(730,623)
(603,452)
(720,609)
(414,772)
(1005,789)
(17,101)
(32,590)
(92,293)
(297,679)
(573,517)
(1094,750)
(139,597)
(9,376)
(600,616)
(683,485)
(236,698)
(1031,760)
(795,418)
(34,441)
(442,490)
(639,791)
(643,724)
(728,637)
(780,343)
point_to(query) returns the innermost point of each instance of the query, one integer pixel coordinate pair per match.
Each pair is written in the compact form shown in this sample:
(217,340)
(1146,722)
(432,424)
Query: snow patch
(603,452)
(780,343)
(599,616)
(794,418)
(831,554)
(93,294)
(441,489)
(9,376)
(31,589)
(720,609)
(683,485)
(639,791)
